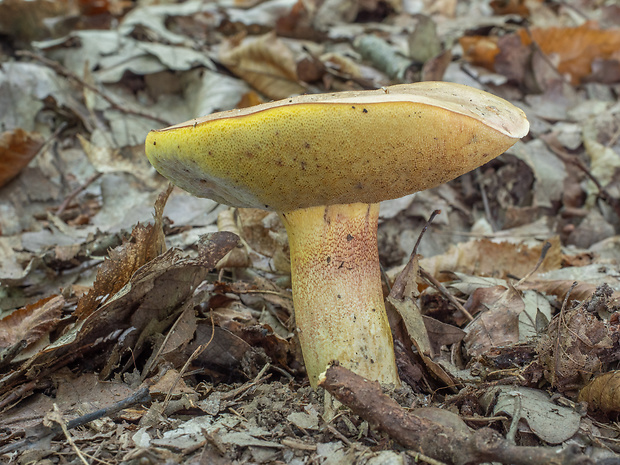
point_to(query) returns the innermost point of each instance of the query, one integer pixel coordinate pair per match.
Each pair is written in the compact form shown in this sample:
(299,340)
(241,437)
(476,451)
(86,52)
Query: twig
(440,441)
(557,345)
(57,417)
(242,389)
(441,288)
(338,434)
(516,418)
(417,456)
(74,194)
(41,431)
(543,254)
(199,350)
(613,202)
(61,70)
(426,226)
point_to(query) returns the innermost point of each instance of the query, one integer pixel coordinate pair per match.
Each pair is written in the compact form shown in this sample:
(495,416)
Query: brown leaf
(603,392)
(573,347)
(32,322)
(442,334)
(182,332)
(435,68)
(266,63)
(17,148)
(574,50)
(497,259)
(513,7)
(499,325)
(147,242)
(576,47)
(154,291)
(559,288)
(480,50)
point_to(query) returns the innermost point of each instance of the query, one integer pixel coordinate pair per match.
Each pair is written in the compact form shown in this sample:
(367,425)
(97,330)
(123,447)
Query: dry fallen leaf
(498,323)
(576,346)
(603,392)
(17,148)
(575,47)
(32,322)
(266,64)
(485,257)
(573,50)
(147,243)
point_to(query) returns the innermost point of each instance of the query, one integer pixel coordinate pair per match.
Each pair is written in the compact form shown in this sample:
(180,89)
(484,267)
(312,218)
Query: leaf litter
(129,336)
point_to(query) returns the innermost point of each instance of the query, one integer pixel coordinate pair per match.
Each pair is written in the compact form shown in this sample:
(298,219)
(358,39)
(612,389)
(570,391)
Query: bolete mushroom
(323,162)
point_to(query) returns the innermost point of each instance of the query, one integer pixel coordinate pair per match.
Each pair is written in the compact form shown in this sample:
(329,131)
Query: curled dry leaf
(603,392)
(559,288)
(266,64)
(238,257)
(497,259)
(576,346)
(573,49)
(499,325)
(17,148)
(147,243)
(513,7)
(32,322)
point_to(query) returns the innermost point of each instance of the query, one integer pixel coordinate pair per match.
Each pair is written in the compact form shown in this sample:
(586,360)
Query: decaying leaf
(485,257)
(32,322)
(17,148)
(576,346)
(551,422)
(402,296)
(266,63)
(154,291)
(603,392)
(573,49)
(147,242)
(497,326)
(576,47)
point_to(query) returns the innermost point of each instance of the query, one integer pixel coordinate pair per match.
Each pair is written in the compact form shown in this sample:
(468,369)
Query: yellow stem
(337,294)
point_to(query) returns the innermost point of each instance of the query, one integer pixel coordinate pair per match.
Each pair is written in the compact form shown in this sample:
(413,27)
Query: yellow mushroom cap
(337,148)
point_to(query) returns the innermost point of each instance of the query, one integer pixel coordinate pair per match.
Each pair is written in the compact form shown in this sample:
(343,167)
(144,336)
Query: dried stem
(437,440)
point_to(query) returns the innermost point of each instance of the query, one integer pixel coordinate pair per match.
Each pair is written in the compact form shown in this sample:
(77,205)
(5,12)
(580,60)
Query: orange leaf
(17,148)
(576,47)
(32,322)
(480,50)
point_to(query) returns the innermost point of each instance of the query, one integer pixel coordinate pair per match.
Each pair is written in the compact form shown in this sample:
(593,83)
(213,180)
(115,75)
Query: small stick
(419,456)
(543,254)
(61,70)
(43,431)
(613,202)
(441,288)
(74,194)
(426,226)
(57,417)
(199,350)
(438,440)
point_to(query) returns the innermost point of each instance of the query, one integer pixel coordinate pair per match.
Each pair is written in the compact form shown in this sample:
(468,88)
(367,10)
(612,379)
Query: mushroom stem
(337,294)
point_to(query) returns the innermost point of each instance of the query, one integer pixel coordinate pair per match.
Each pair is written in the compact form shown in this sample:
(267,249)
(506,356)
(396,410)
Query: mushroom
(324,162)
